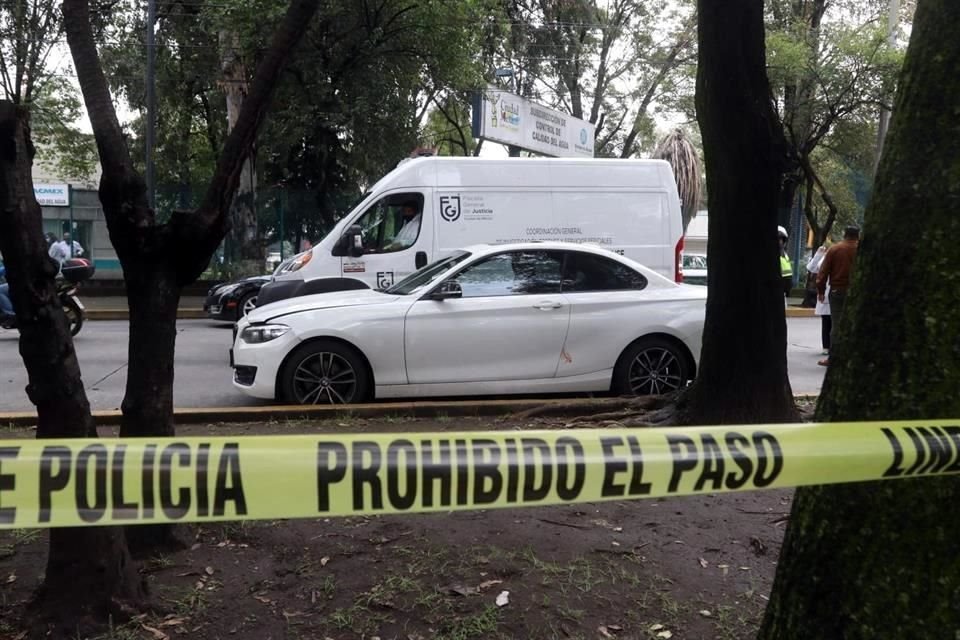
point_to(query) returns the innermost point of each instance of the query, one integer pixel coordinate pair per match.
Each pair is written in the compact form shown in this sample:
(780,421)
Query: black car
(230,301)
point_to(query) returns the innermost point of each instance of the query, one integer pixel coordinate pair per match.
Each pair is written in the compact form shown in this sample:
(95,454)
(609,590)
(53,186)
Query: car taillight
(678,261)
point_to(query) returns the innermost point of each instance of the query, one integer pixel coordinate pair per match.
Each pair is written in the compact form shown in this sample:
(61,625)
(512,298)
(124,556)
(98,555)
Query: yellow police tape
(56,483)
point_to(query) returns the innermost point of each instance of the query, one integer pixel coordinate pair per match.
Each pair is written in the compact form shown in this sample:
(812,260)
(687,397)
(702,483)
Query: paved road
(203,375)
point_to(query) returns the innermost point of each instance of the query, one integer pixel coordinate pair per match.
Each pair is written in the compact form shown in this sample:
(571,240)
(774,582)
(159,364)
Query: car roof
(553,245)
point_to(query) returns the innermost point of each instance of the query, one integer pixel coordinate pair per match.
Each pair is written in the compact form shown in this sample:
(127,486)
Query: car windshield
(427,274)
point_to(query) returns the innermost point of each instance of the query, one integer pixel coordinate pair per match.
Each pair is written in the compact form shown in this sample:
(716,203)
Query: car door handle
(547,305)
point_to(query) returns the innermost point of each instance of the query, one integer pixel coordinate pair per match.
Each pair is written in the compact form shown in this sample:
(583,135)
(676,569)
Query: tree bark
(743,365)
(89,574)
(159,259)
(882,560)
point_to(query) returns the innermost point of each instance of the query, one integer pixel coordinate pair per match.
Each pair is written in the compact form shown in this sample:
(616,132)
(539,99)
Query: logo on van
(450,208)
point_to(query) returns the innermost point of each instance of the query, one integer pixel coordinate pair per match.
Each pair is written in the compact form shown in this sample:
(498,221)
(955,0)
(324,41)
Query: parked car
(695,268)
(230,301)
(486,320)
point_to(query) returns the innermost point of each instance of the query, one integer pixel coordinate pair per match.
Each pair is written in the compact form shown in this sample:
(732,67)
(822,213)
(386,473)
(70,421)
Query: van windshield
(428,274)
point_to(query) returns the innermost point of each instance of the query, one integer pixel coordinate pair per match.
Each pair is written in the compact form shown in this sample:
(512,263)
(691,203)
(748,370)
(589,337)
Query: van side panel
(628,222)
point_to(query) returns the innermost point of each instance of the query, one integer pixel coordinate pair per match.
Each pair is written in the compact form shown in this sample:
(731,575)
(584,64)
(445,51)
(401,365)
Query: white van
(428,207)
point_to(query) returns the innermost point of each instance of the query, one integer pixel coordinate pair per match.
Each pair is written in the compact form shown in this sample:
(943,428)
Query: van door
(397,231)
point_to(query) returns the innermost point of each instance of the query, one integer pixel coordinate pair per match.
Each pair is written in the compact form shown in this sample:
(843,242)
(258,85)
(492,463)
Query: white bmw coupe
(544,317)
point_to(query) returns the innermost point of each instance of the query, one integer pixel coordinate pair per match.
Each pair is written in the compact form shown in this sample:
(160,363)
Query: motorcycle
(72,273)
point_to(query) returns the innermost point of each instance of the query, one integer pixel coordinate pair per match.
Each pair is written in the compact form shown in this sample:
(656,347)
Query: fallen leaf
(461,590)
(11,578)
(656,627)
(195,546)
(614,627)
(744,568)
(615,543)
(156,633)
(705,613)
(324,560)
(199,585)
(293,614)
(665,634)
(703,563)
(263,599)
(188,573)
(618,529)
(486,584)
(171,622)
(503,599)
(209,571)
(603,631)
(22,634)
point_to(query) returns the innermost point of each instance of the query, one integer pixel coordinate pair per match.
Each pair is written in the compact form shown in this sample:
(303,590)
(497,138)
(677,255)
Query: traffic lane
(203,377)
(202,374)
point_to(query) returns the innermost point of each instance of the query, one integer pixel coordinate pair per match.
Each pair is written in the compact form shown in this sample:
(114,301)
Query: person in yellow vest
(786,268)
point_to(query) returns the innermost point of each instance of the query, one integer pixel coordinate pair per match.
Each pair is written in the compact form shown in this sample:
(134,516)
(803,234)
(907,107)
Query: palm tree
(677,149)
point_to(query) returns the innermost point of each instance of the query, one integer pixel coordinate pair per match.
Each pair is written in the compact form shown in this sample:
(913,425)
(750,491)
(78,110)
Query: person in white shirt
(65,249)
(409,231)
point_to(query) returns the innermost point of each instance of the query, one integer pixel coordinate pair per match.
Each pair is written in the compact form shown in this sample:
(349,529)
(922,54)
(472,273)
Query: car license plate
(215,309)
(79,304)
(231,357)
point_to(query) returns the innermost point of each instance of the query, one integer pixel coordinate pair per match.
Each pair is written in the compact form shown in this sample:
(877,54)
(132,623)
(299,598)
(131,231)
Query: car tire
(249,300)
(651,366)
(324,372)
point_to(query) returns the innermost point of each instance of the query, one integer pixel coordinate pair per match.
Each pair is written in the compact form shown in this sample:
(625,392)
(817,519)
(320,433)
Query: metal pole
(73,237)
(151,102)
(893,16)
(281,207)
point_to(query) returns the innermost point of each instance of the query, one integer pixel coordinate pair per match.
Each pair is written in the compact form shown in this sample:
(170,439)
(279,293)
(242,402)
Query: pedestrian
(822,308)
(65,249)
(837,269)
(786,268)
(6,307)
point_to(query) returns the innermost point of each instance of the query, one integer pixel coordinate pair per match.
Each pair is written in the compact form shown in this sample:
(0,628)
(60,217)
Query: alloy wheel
(655,371)
(324,378)
(249,305)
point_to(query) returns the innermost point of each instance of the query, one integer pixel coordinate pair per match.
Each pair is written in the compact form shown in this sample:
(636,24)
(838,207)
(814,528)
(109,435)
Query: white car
(487,320)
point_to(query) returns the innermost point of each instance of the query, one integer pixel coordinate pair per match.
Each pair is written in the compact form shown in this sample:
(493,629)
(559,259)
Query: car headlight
(260,333)
(301,261)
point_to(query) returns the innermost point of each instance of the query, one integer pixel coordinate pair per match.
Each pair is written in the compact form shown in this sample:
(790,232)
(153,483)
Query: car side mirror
(352,241)
(447,290)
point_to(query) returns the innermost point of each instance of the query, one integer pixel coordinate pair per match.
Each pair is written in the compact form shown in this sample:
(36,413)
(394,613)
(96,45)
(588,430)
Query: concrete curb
(428,409)
(194,314)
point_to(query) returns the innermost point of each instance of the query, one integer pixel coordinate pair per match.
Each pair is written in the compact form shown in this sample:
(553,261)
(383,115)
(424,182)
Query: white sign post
(52,195)
(510,119)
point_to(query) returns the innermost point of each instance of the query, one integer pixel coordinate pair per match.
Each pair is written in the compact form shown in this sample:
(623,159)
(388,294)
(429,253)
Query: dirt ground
(682,568)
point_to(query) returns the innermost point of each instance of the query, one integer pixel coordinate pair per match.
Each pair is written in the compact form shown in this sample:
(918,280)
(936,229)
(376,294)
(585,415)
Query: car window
(427,274)
(694,262)
(513,273)
(590,272)
(392,223)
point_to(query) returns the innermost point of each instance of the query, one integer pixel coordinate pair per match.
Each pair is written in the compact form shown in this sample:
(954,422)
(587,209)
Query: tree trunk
(245,236)
(743,365)
(89,573)
(880,560)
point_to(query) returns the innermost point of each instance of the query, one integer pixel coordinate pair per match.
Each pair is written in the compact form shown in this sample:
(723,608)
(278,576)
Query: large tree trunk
(89,573)
(880,560)
(743,366)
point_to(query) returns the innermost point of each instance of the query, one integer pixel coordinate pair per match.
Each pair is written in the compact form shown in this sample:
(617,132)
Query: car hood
(362,297)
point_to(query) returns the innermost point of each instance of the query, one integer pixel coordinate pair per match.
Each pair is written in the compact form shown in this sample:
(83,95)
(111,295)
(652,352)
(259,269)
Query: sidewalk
(191,307)
(115,307)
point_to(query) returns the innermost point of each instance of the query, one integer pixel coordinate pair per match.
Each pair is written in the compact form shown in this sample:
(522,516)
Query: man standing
(837,268)
(65,249)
